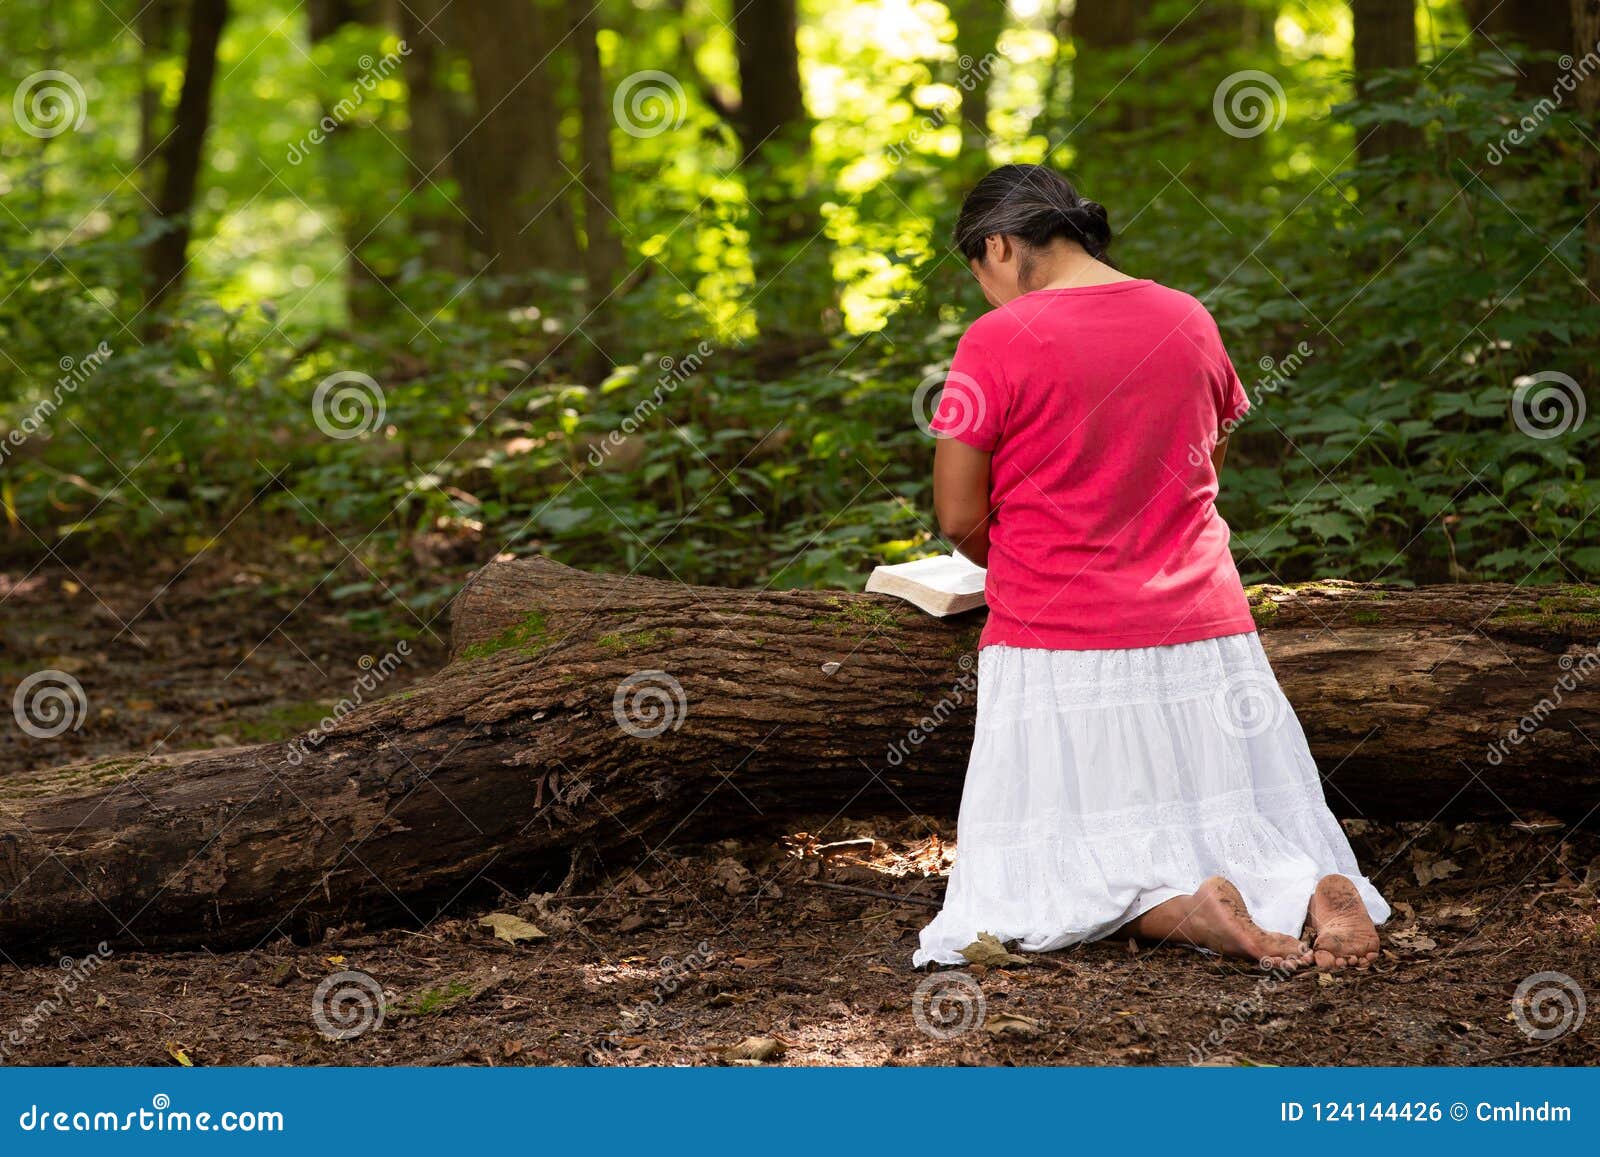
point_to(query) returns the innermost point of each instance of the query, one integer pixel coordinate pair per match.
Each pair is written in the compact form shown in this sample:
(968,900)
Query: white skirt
(1103,783)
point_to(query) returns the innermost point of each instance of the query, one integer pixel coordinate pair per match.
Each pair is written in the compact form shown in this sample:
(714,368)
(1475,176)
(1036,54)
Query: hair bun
(1087,223)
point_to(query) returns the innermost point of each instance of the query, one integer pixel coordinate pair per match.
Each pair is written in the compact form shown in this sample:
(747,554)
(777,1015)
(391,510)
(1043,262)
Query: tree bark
(1542,25)
(513,759)
(788,248)
(602,248)
(166,259)
(154,21)
(367,298)
(511,49)
(979,24)
(1586,40)
(1385,38)
(439,227)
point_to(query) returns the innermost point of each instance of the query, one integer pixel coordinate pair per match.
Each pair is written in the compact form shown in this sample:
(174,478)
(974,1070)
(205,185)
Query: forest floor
(701,948)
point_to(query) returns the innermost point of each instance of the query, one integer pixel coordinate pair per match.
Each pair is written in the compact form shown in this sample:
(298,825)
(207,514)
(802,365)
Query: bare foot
(1215,917)
(1343,935)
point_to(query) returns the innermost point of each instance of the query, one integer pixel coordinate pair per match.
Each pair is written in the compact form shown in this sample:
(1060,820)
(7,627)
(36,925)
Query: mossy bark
(511,760)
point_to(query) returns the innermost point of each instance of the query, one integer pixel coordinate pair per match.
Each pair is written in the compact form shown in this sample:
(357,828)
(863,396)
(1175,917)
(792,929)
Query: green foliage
(1397,302)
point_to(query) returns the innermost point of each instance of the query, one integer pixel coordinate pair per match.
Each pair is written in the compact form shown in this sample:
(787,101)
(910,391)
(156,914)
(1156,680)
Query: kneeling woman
(1136,769)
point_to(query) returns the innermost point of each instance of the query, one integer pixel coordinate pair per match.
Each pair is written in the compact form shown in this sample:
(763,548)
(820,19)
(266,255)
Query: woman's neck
(1066,265)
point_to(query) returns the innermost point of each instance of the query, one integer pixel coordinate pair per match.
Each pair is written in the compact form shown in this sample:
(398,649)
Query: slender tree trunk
(979,24)
(794,282)
(438,226)
(166,260)
(1386,37)
(1542,25)
(602,251)
(1104,33)
(1586,40)
(154,22)
(366,298)
(511,46)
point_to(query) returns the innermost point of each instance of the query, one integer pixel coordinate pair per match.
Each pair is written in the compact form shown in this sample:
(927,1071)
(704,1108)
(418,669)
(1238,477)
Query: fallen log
(587,715)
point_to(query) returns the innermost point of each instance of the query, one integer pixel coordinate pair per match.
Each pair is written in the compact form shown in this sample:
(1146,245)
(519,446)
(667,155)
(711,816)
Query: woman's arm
(961,497)
(1219,452)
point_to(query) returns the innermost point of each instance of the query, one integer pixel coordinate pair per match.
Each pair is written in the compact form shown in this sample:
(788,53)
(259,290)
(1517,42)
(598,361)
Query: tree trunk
(1386,37)
(367,299)
(585,714)
(166,259)
(438,226)
(155,22)
(791,255)
(602,249)
(515,143)
(1586,40)
(979,24)
(1104,34)
(1542,25)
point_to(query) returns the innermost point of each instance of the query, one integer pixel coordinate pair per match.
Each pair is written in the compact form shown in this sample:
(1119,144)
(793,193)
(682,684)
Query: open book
(945,584)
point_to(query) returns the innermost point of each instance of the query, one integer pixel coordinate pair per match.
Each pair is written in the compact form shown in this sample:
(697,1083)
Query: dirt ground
(791,947)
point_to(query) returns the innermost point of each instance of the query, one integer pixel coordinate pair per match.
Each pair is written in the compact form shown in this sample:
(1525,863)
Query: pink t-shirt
(1101,405)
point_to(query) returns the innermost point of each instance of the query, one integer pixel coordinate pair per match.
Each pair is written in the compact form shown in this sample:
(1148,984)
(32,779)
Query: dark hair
(1034,204)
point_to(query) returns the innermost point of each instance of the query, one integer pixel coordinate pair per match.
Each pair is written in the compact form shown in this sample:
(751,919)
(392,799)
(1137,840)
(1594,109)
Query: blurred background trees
(652,284)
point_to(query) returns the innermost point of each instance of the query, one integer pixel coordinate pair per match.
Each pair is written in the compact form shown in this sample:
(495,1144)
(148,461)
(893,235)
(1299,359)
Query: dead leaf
(175,1051)
(987,950)
(1012,1024)
(754,961)
(1427,871)
(1414,939)
(511,929)
(754,1050)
